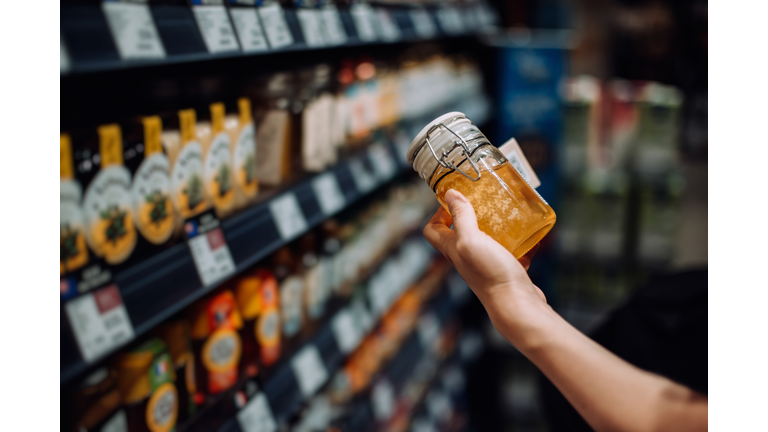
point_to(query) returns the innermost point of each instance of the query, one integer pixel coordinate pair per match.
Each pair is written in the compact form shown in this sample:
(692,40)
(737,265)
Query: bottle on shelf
(217,160)
(74,252)
(242,135)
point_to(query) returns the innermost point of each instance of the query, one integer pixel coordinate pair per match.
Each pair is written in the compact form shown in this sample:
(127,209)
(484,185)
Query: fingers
(462,213)
(438,232)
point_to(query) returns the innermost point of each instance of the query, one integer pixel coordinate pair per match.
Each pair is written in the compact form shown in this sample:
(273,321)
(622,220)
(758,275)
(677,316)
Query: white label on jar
(422,23)
(328,193)
(256,416)
(217,171)
(108,214)
(133,30)
(187,178)
(309,369)
(388,28)
(309,19)
(511,149)
(216,29)
(72,224)
(275,27)
(99,321)
(248,28)
(364,180)
(364,18)
(346,333)
(291,296)
(288,216)
(151,192)
(333,30)
(244,160)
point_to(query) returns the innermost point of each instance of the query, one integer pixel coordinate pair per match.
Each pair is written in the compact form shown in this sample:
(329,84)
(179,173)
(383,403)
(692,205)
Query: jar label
(187,180)
(163,408)
(151,193)
(73,250)
(244,161)
(109,214)
(218,172)
(220,356)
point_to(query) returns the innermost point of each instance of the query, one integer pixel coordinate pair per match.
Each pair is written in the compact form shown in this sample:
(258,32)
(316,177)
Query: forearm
(608,392)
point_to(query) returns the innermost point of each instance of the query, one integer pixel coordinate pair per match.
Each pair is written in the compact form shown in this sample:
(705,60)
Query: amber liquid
(507,208)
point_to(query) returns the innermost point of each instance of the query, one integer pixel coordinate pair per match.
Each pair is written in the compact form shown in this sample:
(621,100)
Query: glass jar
(452,153)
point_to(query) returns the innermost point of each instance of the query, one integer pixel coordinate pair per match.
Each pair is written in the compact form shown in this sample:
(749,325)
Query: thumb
(462,213)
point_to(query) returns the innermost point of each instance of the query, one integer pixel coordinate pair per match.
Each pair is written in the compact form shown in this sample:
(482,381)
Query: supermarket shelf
(286,400)
(157,288)
(90,47)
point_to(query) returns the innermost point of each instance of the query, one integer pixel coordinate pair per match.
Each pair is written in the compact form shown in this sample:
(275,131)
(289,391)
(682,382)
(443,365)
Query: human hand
(493,273)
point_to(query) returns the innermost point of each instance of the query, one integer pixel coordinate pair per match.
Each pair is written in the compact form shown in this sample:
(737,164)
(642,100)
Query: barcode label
(249,30)
(288,216)
(309,369)
(133,30)
(364,180)
(333,30)
(275,27)
(422,23)
(387,26)
(216,29)
(309,19)
(328,193)
(256,416)
(364,18)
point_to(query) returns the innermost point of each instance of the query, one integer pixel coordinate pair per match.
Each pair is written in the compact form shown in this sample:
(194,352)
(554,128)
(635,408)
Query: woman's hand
(497,278)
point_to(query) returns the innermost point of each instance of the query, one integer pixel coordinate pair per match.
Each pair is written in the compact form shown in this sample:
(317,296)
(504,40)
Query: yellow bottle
(74,253)
(452,153)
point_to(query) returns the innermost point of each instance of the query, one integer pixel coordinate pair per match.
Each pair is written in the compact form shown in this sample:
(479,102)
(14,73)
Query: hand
(493,273)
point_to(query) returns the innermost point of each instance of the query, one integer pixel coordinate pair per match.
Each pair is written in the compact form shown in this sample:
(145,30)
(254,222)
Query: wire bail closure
(461,143)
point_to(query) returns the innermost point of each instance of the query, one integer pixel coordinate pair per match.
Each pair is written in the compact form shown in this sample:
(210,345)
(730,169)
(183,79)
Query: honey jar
(452,153)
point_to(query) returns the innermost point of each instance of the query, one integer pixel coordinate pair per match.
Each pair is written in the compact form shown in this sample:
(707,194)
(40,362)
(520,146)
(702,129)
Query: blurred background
(241,235)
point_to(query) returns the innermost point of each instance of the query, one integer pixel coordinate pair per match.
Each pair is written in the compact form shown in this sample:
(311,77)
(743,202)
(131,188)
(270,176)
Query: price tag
(328,193)
(64,57)
(256,416)
(450,20)
(209,247)
(344,330)
(275,27)
(388,28)
(422,23)
(333,30)
(311,28)
(216,29)
(364,180)
(309,369)
(288,216)
(511,149)
(362,318)
(439,406)
(429,330)
(364,17)
(383,163)
(99,321)
(133,30)
(248,29)
(383,400)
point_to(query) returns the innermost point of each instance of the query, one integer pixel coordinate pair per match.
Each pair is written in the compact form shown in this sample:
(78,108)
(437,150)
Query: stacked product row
(246,326)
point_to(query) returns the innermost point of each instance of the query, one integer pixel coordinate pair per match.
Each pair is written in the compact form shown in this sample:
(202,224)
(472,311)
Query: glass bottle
(452,153)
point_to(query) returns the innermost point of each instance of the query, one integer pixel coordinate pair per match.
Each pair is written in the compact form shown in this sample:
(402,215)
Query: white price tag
(383,163)
(288,216)
(423,24)
(216,29)
(511,149)
(387,26)
(256,416)
(429,329)
(333,30)
(362,318)
(328,193)
(309,369)
(364,18)
(364,180)
(211,255)
(99,321)
(63,57)
(383,400)
(439,406)
(248,29)
(275,27)
(311,27)
(133,30)
(346,333)
(450,20)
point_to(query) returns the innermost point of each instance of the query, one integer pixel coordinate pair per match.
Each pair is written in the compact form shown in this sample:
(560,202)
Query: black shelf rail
(157,288)
(90,47)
